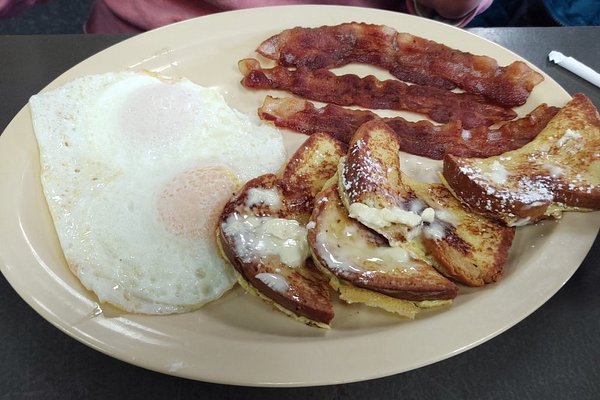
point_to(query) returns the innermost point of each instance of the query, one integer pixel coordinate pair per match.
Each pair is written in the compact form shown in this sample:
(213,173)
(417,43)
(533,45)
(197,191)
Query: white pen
(576,67)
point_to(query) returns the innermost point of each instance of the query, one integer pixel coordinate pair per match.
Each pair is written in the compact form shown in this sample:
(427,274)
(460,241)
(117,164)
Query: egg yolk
(160,112)
(190,204)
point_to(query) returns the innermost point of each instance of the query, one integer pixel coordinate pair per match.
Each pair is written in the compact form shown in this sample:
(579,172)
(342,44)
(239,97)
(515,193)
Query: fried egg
(136,169)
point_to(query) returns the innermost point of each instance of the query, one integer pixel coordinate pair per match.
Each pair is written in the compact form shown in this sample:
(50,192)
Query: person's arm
(455,12)
(10,8)
(451,9)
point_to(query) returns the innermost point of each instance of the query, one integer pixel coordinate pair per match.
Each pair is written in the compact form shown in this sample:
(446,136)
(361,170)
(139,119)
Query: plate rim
(91,342)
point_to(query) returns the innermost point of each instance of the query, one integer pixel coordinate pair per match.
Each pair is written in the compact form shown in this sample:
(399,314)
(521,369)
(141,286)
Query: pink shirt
(10,8)
(114,16)
(110,16)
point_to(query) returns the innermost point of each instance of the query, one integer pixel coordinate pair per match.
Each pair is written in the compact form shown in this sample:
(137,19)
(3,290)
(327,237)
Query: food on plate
(420,138)
(485,142)
(364,226)
(371,187)
(262,232)
(136,169)
(408,57)
(440,105)
(423,218)
(363,268)
(464,246)
(557,171)
(163,196)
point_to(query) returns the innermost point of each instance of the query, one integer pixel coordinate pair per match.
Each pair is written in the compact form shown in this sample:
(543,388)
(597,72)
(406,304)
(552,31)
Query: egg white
(135,169)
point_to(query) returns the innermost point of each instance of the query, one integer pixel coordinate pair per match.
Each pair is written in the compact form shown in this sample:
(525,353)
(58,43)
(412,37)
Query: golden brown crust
(473,249)
(370,174)
(558,171)
(306,293)
(347,249)
(313,164)
(469,248)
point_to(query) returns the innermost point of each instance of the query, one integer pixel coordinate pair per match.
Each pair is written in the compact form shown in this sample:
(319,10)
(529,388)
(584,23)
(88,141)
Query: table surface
(552,354)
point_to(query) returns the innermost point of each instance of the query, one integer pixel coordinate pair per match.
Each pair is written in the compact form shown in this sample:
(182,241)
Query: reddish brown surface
(422,138)
(369,92)
(408,57)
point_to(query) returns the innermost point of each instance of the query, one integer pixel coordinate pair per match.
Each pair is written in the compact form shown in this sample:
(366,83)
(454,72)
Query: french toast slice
(463,246)
(371,187)
(363,268)
(557,171)
(263,235)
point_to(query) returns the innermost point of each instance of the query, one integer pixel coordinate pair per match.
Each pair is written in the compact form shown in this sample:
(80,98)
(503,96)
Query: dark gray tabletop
(552,354)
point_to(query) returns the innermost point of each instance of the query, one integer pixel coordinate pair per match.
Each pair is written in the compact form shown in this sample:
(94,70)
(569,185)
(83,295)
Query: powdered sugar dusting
(365,175)
(524,191)
(498,173)
(569,135)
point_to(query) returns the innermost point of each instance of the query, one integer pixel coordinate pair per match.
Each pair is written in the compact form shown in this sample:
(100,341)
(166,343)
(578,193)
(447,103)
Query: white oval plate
(238,339)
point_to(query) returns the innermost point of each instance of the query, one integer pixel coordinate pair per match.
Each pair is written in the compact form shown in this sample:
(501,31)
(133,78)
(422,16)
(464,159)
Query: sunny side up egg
(136,170)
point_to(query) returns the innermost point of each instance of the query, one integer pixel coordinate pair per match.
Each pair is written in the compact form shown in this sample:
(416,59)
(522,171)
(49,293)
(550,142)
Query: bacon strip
(408,57)
(351,90)
(420,138)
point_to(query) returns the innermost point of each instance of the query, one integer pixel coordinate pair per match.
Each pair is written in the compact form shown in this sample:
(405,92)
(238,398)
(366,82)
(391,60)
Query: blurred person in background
(132,16)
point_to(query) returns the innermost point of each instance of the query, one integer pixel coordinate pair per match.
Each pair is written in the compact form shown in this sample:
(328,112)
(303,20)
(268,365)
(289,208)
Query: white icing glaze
(345,248)
(447,216)
(348,253)
(382,217)
(569,134)
(498,172)
(274,281)
(555,171)
(257,237)
(259,196)
(435,231)
(428,215)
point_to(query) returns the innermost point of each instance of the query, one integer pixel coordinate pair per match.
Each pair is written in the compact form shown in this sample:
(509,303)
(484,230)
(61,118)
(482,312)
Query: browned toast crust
(472,249)
(298,290)
(371,171)
(370,175)
(346,249)
(308,294)
(313,164)
(559,170)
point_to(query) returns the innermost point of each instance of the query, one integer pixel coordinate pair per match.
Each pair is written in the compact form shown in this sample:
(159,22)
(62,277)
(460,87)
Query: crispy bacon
(422,138)
(484,142)
(302,116)
(351,90)
(408,57)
